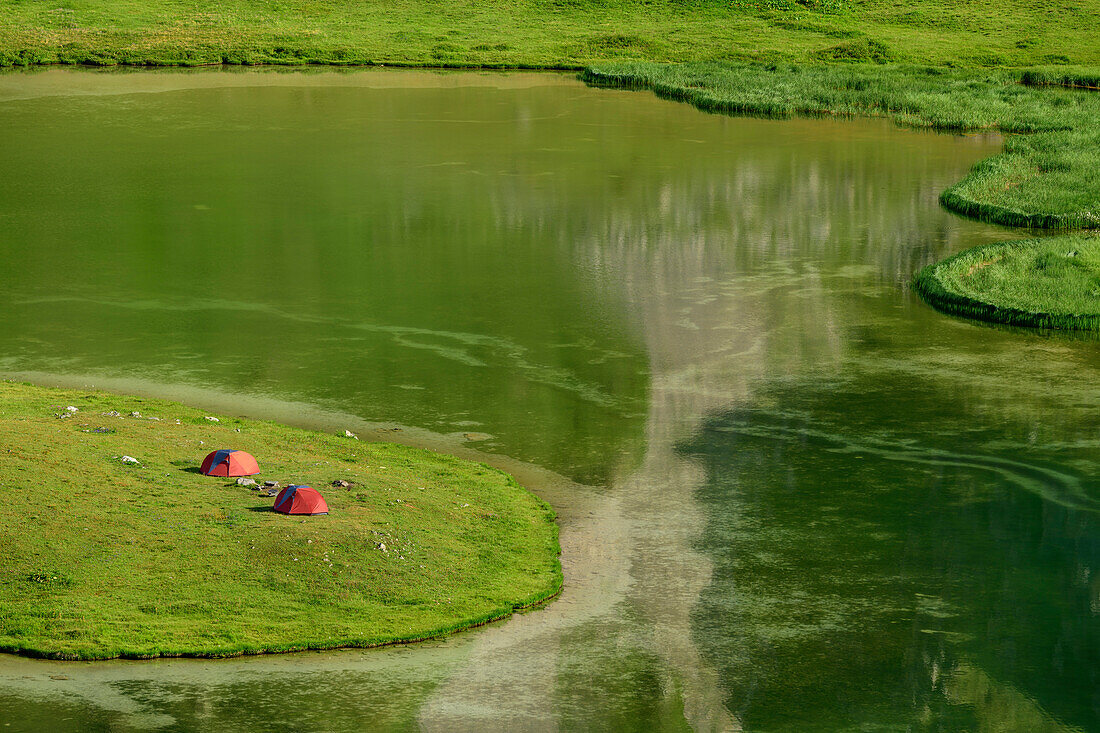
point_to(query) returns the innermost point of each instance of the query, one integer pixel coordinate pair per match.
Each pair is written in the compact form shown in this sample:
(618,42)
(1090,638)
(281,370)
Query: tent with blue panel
(228,462)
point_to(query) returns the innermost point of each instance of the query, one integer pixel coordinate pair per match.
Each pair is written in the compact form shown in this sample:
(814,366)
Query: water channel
(792,497)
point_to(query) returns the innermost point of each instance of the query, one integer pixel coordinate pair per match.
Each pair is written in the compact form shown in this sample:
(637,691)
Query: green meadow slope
(104,559)
(548,33)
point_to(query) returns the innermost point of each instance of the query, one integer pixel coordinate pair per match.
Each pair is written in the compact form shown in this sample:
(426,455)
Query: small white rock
(70,408)
(130,459)
(212,419)
(135,414)
(349,434)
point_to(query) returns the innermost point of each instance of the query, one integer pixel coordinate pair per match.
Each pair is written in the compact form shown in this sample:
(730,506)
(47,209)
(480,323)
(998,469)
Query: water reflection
(875,576)
(814,502)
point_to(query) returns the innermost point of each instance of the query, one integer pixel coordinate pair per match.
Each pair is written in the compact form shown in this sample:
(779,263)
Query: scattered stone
(269,492)
(153,418)
(135,414)
(271,484)
(245,482)
(129,459)
(381,546)
(64,415)
(475,437)
(349,434)
(102,430)
(70,408)
(113,413)
(212,419)
(341,483)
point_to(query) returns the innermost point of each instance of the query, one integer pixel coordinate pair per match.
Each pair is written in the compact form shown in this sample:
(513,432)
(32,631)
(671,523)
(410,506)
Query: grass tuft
(863,50)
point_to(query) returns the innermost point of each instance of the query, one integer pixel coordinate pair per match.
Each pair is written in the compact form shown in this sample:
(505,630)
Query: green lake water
(792,497)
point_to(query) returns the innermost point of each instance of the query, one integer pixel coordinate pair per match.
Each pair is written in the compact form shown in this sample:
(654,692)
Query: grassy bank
(1047,177)
(1042,283)
(546,33)
(105,559)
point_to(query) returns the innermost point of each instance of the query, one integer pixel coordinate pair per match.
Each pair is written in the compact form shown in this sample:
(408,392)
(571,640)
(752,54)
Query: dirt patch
(981,265)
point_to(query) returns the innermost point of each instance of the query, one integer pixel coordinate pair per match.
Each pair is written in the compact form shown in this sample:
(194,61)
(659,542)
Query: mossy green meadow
(547,33)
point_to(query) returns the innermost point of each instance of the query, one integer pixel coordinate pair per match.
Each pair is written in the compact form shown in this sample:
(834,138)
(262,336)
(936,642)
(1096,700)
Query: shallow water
(792,497)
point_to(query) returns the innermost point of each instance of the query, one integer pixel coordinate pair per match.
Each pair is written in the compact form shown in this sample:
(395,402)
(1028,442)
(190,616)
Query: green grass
(1044,283)
(547,33)
(104,559)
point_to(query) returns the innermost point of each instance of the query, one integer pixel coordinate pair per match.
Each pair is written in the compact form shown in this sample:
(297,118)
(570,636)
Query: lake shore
(112,559)
(742,58)
(1037,283)
(1044,179)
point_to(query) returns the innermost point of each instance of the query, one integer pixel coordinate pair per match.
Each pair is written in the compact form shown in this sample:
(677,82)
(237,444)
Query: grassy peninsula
(1042,283)
(108,559)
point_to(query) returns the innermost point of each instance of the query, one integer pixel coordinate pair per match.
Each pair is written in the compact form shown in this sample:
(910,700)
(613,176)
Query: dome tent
(230,463)
(298,499)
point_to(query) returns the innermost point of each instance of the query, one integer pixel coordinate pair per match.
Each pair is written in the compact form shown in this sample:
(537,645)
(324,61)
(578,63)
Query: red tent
(230,463)
(300,500)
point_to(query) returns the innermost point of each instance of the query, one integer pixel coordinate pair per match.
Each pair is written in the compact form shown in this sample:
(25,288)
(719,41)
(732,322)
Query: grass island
(109,559)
